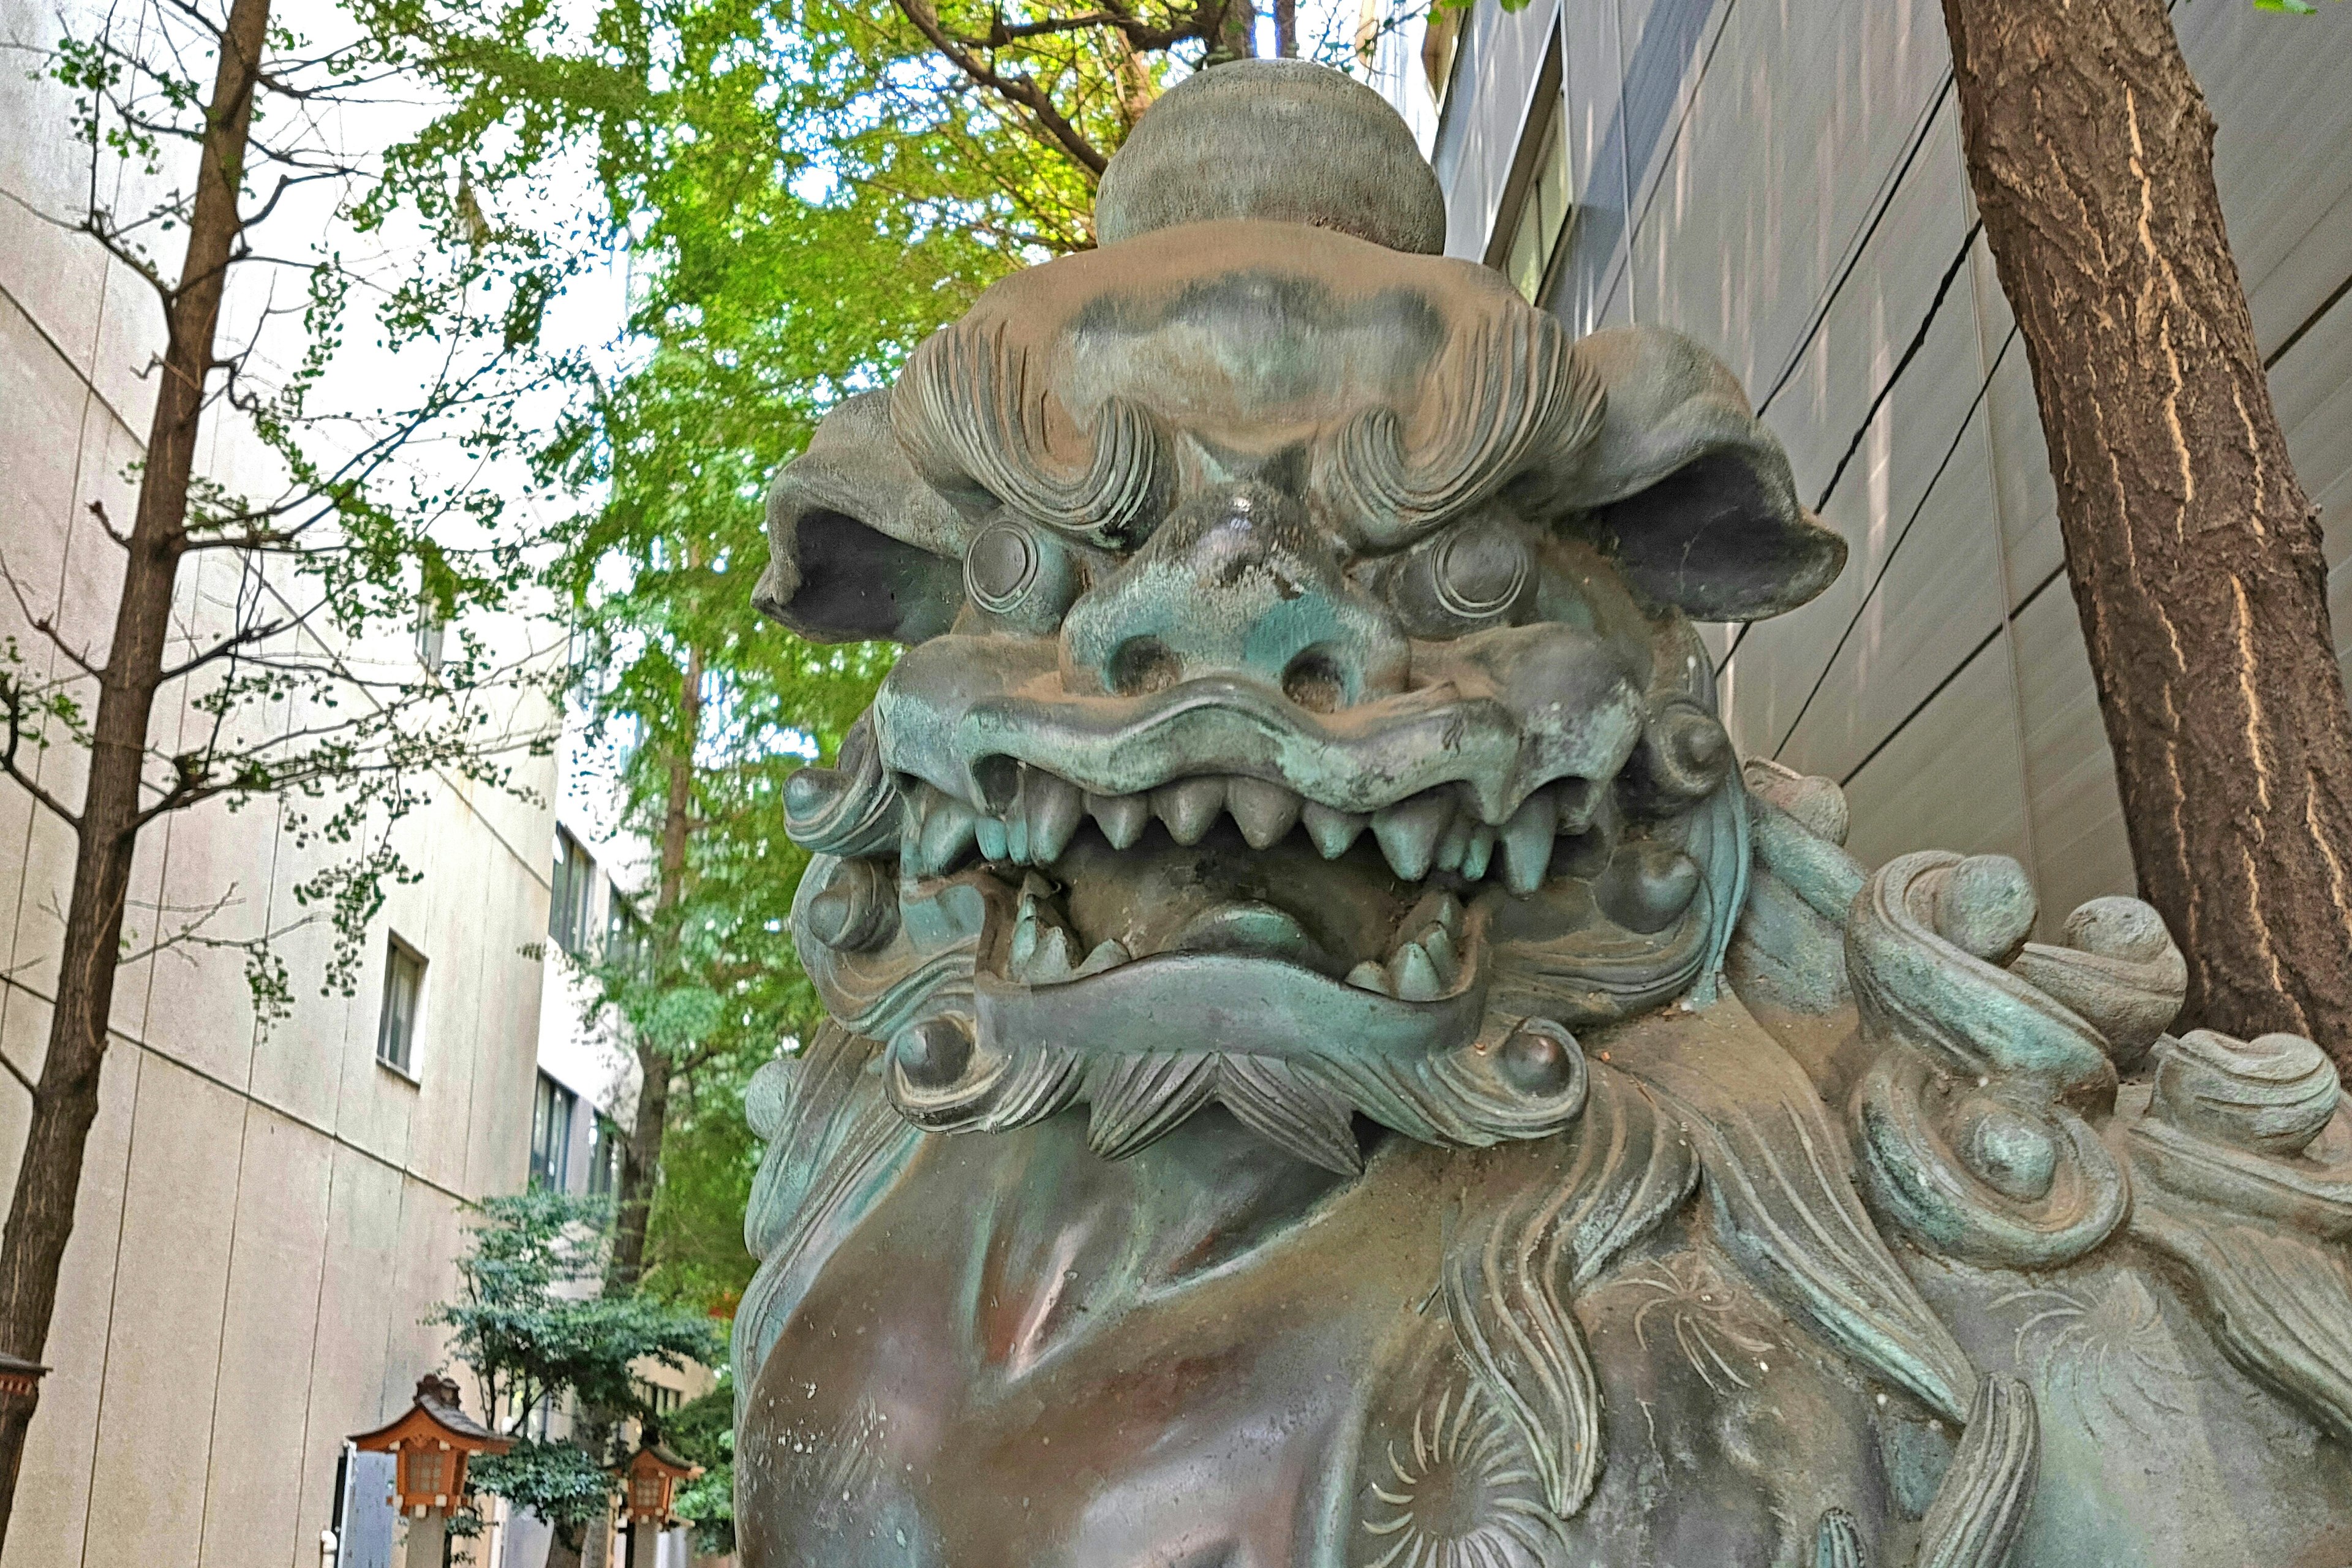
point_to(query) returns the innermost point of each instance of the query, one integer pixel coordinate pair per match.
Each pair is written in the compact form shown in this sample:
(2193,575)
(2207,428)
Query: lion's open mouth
(1240,866)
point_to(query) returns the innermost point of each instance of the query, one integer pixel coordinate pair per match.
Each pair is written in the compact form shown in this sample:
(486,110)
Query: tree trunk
(1236,33)
(2193,553)
(65,1104)
(1285,28)
(641,1160)
(641,1156)
(561,1553)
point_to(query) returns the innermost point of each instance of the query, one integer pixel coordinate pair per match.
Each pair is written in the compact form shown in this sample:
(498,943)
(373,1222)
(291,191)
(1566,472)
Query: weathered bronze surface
(1428,1106)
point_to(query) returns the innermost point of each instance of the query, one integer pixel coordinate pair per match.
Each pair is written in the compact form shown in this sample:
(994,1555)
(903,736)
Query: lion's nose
(1237,585)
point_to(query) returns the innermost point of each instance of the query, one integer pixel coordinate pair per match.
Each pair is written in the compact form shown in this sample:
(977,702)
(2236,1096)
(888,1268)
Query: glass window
(575,881)
(550,1134)
(1543,211)
(403,997)
(431,629)
(604,1156)
(626,944)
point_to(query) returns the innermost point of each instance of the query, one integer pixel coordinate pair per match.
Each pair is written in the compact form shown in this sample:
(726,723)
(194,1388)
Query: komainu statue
(1336,1062)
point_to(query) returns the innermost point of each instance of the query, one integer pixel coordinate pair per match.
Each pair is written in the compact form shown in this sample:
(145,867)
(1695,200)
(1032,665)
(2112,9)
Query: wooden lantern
(649,1483)
(431,1444)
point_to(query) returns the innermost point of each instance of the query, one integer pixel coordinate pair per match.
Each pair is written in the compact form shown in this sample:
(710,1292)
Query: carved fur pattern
(1982,1502)
(855,808)
(1781,1185)
(1513,390)
(1509,1281)
(2246,1157)
(970,417)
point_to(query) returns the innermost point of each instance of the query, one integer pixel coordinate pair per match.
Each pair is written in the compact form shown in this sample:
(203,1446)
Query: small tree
(544,1340)
(250,152)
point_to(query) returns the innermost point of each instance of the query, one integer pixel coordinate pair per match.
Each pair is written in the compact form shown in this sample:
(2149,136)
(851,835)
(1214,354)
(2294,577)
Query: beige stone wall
(1784,182)
(264,1216)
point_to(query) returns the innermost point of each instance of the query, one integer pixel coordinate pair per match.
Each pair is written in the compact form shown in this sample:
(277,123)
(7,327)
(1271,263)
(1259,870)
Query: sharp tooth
(1415,976)
(1106,955)
(1454,844)
(1408,831)
(1440,948)
(1481,852)
(1441,910)
(1049,960)
(1121,817)
(1040,950)
(1527,843)
(1054,808)
(1189,808)
(1027,932)
(1265,812)
(1333,831)
(990,832)
(1577,799)
(944,830)
(1371,976)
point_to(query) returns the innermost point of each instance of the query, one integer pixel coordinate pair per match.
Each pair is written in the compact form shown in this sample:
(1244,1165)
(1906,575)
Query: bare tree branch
(1054,129)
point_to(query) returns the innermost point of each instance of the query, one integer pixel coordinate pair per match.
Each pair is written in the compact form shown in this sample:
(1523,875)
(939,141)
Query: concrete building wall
(266,1216)
(1785,182)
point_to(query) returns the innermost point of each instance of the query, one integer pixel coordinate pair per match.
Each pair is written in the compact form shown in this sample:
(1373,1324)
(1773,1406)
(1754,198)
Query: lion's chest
(1184,1359)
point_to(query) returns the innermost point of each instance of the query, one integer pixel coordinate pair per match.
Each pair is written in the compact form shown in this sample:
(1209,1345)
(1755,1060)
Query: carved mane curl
(968,417)
(1515,392)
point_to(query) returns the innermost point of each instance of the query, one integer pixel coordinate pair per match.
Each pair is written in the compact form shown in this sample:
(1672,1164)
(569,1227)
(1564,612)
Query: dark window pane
(404,986)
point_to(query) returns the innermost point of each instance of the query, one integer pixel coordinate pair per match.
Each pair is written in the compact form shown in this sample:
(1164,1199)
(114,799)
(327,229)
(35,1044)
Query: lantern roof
(437,1415)
(654,1457)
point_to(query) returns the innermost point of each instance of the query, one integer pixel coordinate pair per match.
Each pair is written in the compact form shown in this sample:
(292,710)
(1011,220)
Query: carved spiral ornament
(1969,1136)
(850,809)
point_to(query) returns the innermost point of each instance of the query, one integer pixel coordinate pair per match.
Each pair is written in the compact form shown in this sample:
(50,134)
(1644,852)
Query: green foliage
(702,1432)
(560,1481)
(539,1337)
(348,531)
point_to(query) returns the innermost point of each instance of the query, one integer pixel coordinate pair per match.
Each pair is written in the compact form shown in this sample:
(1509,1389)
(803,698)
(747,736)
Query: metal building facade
(1784,182)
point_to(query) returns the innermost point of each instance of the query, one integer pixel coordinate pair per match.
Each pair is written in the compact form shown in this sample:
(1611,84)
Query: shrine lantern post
(430,1443)
(648,1487)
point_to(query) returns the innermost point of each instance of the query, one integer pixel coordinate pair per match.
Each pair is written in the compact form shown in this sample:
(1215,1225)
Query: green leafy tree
(223,168)
(702,1432)
(543,1339)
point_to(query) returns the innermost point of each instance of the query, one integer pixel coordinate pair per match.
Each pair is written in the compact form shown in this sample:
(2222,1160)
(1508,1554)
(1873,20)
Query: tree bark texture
(2193,553)
(65,1103)
(641,1155)
(641,1160)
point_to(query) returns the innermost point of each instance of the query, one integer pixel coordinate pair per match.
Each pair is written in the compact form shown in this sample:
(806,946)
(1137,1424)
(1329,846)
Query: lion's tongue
(1258,929)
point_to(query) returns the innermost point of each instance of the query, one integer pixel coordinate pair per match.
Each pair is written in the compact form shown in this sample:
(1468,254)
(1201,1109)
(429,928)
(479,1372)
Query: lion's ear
(859,548)
(1688,488)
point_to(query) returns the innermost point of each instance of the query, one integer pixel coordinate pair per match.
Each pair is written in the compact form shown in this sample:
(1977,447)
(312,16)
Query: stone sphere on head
(1281,140)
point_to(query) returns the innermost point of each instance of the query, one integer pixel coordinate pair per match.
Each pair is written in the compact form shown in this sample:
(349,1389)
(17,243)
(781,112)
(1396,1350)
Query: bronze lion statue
(1335,1060)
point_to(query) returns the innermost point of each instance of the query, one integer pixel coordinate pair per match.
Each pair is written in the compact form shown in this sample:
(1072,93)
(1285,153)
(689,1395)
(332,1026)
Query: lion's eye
(1021,575)
(1472,576)
(1479,572)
